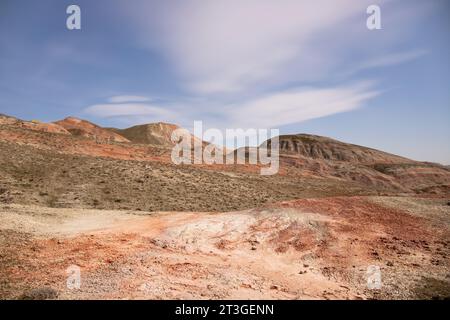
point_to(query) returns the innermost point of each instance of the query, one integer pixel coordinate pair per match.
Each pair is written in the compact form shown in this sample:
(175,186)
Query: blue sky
(300,66)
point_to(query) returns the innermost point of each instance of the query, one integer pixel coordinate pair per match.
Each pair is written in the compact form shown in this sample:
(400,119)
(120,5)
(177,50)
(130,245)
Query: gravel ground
(301,249)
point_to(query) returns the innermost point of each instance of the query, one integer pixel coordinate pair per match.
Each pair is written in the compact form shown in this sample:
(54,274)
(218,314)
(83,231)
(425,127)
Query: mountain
(115,195)
(4,119)
(326,157)
(159,134)
(302,156)
(79,127)
(323,148)
(152,133)
(32,125)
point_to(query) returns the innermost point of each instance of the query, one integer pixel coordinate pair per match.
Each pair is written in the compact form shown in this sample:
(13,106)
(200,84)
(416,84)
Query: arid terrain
(111,202)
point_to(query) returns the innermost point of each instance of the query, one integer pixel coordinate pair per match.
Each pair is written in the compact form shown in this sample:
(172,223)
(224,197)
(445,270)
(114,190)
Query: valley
(140,227)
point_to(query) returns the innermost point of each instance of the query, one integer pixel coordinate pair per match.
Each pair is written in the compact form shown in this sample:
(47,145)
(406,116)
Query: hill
(79,127)
(323,148)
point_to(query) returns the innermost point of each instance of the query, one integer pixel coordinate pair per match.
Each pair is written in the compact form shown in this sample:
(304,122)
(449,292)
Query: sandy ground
(302,249)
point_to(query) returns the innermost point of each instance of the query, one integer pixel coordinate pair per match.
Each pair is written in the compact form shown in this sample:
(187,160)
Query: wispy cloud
(232,46)
(301,104)
(392,59)
(250,52)
(122,99)
(129,106)
(128,110)
(272,110)
(125,109)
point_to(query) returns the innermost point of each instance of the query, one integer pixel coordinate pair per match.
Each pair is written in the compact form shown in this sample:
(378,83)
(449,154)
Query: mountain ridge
(309,165)
(81,127)
(159,133)
(325,148)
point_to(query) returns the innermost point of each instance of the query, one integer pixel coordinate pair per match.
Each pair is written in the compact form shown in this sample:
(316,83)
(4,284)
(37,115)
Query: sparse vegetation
(321,220)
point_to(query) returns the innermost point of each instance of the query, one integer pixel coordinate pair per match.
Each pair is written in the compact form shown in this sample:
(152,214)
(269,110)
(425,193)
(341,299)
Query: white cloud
(392,59)
(272,110)
(128,109)
(247,51)
(231,46)
(297,105)
(122,99)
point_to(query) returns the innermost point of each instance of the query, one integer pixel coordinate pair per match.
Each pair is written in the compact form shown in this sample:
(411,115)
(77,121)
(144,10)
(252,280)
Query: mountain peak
(158,133)
(324,148)
(84,128)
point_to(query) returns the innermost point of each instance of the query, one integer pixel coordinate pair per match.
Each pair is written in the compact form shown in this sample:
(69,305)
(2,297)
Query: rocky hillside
(152,133)
(322,156)
(85,128)
(32,125)
(142,227)
(323,148)
(4,119)
(159,134)
(306,162)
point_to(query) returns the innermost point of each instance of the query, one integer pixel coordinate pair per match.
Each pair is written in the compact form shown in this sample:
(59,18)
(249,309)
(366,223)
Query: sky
(297,66)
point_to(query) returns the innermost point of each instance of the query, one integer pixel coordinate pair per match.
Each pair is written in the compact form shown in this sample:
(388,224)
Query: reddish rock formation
(85,128)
